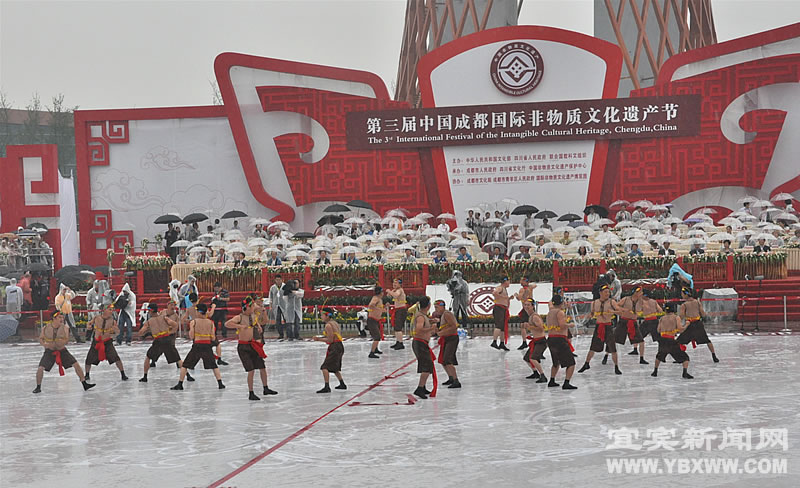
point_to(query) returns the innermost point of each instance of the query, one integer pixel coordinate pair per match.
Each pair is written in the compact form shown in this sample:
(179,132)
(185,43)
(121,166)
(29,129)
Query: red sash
(683,346)
(392,314)
(532,344)
(101,350)
(202,341)
(505,322)
(433,359)
(257,347)
(57,354)
(441,347)
(631,329)
(571,349)
(601,330)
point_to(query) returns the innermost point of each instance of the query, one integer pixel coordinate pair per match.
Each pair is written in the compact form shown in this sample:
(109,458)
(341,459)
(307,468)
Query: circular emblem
(481,301)
(516,68)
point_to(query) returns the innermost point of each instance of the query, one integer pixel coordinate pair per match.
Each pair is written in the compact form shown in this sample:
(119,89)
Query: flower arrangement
(344,275)
(644,267)
(493,271)
(145,243)
(135,263)
(127,248)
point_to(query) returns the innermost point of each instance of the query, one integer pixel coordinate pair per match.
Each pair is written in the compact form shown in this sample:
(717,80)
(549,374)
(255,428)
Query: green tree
(6,134)
(62,133)
(32,126)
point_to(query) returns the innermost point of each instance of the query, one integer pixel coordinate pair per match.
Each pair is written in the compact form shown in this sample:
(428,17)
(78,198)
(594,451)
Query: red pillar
(556,272)
(603,267)
(265,281)
(307,278)
(425,275)
(381,276)
(140,282)
(729,268)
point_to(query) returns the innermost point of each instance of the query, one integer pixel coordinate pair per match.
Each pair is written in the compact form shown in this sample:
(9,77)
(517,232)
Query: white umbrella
(295,253)
(269,250)
(765,236)
(672,220)
(768,226)
(620,203)
(462,242)
(763,204)
(609,238)
(624,223)
(707,211)
(522,243)
(786,216)
(695,240)
(257,241)
(744,216)
(733,222)
(795,226)
(350,250)
(633,233)
(560,230)
(722,236)
(378,248)
(459,230)
(198,250)
(704,226)
(699,216)
(258,221)
(553,245)
(493,220)
(446,215)
(652,225)
(601,222)
(668,238)
(391,221)
(283,242)
(322,248)
(278,224)
(638,242)
(206,236)
(782,197)
(697,233)
(431,231)
(373,221)
(236,247)
(300,247)
(404,246)
(196,243)
(350,242)
(414,221)
(437,249)
(354,220)
(435,241)
(407,233)
(217,244)
(423,216)
(180,243)
(364,238)
(489,246)
(581,243)
(661,208)
(646,204)
(546,233)
(585,230)
(397,212)
(747,199)
(234,235)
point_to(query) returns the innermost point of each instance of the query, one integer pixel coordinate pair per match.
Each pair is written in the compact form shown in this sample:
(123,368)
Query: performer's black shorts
(400,315)
(561,352)
(423,353)
(49,359)
(670,347)
(250,358)
(374,328)
(198,352)
(537,351)
(597,344)
(333,358)
(449,350)
(695,332)
(621,332)
(650,327)
(93,357)
(166,346)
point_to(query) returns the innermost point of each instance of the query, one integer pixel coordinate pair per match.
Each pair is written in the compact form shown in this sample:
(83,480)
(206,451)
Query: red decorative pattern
(111,132)
(386,179)
(663,169)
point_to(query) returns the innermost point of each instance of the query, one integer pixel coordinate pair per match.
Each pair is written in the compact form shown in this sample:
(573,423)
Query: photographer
(293,296)
(126,304)
(459,290)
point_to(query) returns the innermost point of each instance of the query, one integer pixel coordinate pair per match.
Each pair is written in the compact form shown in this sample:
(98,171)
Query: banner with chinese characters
(619,118)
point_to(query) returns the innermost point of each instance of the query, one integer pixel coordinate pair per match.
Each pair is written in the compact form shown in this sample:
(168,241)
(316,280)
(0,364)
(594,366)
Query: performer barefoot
(448,342)
(160,326)
(557,342)
(104,329)
(54,338)
(500,313)
(399,312)
(603,309)
(650,312)
(374,316)
(251,350)
(692,312)
(332,335)
(627,326)
(201,330)
(421,347)
(668,326)
(525,292)
(535,329)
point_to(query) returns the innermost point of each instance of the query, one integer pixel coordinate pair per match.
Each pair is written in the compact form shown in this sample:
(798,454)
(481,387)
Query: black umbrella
(234,214)
(71,269)
(545,214)
(194,217)
(359,204)
(336,207)
(101,269)
(26,233)
(303,235)
(569,218)
(167,219)
(524,210)
(598,209)
(330,219)
(37,267)
(37,225)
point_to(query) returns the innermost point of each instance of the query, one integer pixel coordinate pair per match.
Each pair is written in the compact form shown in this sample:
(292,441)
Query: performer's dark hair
(424,302)
(557,300)
(378,290)
(202,307)
(153,307)
(217,283)
(192,297)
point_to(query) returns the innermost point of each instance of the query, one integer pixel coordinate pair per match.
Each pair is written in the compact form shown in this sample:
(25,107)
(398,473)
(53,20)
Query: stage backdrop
(278,147)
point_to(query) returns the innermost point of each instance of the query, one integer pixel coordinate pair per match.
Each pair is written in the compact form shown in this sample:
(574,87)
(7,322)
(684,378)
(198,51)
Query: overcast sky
(121,54)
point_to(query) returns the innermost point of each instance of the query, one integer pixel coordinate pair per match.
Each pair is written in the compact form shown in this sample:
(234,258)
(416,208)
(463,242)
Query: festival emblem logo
(516,68)
(481,301)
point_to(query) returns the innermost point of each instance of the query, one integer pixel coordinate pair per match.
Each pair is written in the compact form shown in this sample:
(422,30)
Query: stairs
(770,306)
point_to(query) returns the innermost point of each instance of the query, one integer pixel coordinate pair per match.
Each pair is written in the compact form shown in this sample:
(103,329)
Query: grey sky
(120,54)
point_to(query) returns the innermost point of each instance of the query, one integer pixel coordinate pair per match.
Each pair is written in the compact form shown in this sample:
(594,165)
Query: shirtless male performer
(201,330)
(500,314)
(160,326)
(628,326)
(250,349)
(649,310)
(557,342)
(374,316)
(422,350)
(692,312)
(399,311)
(332,336)
(448,342)
(54,338)
(525,292)
(668,327)
(104,330)
(603,309)
(535,329)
